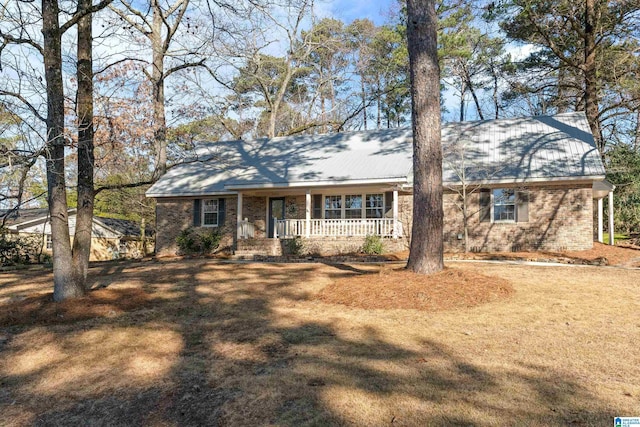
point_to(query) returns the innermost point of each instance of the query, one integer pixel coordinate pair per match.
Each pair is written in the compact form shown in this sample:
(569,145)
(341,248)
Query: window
(210,213)
(353,206)
(504,205)
(333,207)
(375,205)
(49,242)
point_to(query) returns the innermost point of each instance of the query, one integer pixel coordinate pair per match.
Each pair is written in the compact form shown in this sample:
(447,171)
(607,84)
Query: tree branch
(82,13)
(25,102)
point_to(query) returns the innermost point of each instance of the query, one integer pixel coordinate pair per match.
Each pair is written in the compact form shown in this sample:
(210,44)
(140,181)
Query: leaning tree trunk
(425,255)
(64,285)
(84,217)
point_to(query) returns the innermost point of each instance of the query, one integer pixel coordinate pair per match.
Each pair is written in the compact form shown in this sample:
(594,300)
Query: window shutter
(221,212)
(197,211)
(317,206)
(522,201)
(485,205)
(388,204)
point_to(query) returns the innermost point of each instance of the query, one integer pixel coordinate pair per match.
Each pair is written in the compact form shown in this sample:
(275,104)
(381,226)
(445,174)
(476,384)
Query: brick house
(525,184)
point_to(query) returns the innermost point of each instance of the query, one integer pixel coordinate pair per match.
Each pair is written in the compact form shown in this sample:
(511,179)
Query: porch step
(249,255)
(248,248)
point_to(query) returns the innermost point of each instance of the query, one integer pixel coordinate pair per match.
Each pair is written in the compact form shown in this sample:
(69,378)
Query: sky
(348,10)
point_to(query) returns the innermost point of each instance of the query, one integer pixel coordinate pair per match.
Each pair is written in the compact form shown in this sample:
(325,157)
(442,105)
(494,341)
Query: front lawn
(200,342)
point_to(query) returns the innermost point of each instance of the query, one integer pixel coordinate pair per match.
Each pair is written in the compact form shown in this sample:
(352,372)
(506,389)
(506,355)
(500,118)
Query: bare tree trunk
(157,80)
(379,106)
(426,251)
(636,141)
(562,104)
(364,102)
(475,101)
(496,104)
(465,216)
(590,75)
(84,216)
(462,92)
(64,285)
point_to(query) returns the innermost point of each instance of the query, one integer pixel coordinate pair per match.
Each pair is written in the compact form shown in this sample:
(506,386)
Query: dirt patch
(401,289)
(41,309)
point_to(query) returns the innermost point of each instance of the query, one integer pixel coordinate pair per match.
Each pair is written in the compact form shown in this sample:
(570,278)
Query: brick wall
(175,215)
(560,218)
(172,216)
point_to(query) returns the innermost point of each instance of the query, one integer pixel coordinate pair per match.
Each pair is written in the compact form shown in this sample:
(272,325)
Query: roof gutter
(306,184)
(180,195)
(574,179)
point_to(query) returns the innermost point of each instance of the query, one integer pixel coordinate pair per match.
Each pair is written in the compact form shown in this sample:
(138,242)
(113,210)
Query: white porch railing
(246,230)
(337,227)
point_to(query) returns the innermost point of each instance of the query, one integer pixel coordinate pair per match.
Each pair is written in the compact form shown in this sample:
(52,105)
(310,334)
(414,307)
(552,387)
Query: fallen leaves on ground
(41,309)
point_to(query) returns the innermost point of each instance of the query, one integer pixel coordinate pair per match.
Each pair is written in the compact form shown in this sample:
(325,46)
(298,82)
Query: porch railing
(246,230)
(337,227)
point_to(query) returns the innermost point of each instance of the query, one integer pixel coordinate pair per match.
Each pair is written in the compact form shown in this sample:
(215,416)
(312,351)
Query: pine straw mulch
(40,309)
(449,289)
(624,255)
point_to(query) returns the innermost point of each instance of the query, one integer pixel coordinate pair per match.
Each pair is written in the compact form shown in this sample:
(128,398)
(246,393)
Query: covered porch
(343,212)
(602,189)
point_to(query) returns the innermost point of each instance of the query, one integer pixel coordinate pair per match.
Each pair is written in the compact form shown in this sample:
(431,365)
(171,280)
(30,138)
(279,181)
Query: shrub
(373,245)
(198,241)
(19,249)
(294,246)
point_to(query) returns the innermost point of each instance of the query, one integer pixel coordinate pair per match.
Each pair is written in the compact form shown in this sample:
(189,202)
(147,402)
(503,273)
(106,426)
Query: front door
(276,211)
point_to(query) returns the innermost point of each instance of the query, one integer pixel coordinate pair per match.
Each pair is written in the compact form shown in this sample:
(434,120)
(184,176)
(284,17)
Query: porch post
(395,214)
(307,224)
(611,230)
(600,219)
(239,216)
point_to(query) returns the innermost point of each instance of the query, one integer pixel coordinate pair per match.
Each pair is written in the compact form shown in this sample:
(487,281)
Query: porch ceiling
(602,188)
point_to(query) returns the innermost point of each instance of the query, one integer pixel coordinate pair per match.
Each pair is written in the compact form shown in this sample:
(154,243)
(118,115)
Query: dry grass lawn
(200,342)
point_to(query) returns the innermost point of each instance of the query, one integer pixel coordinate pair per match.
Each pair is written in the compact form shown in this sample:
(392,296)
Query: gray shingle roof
(21,215)
(517,150)
(124,227)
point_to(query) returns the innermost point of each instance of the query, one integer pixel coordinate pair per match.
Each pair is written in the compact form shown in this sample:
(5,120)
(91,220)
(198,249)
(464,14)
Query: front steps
(249,248)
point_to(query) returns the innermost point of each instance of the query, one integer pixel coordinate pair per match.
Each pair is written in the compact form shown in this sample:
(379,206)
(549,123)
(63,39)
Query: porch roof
(544,148)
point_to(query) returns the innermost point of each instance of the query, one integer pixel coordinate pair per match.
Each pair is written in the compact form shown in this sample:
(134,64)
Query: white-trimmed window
(375,206)
(210,213)
(49,242)
(504,205)
(333,207)
(353,206)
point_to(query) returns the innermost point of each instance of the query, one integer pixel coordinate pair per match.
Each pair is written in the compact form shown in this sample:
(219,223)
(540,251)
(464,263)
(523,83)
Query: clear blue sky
(348,10)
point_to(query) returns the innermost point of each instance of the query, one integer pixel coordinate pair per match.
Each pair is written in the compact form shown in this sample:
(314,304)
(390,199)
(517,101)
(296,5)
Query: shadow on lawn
(245,361)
